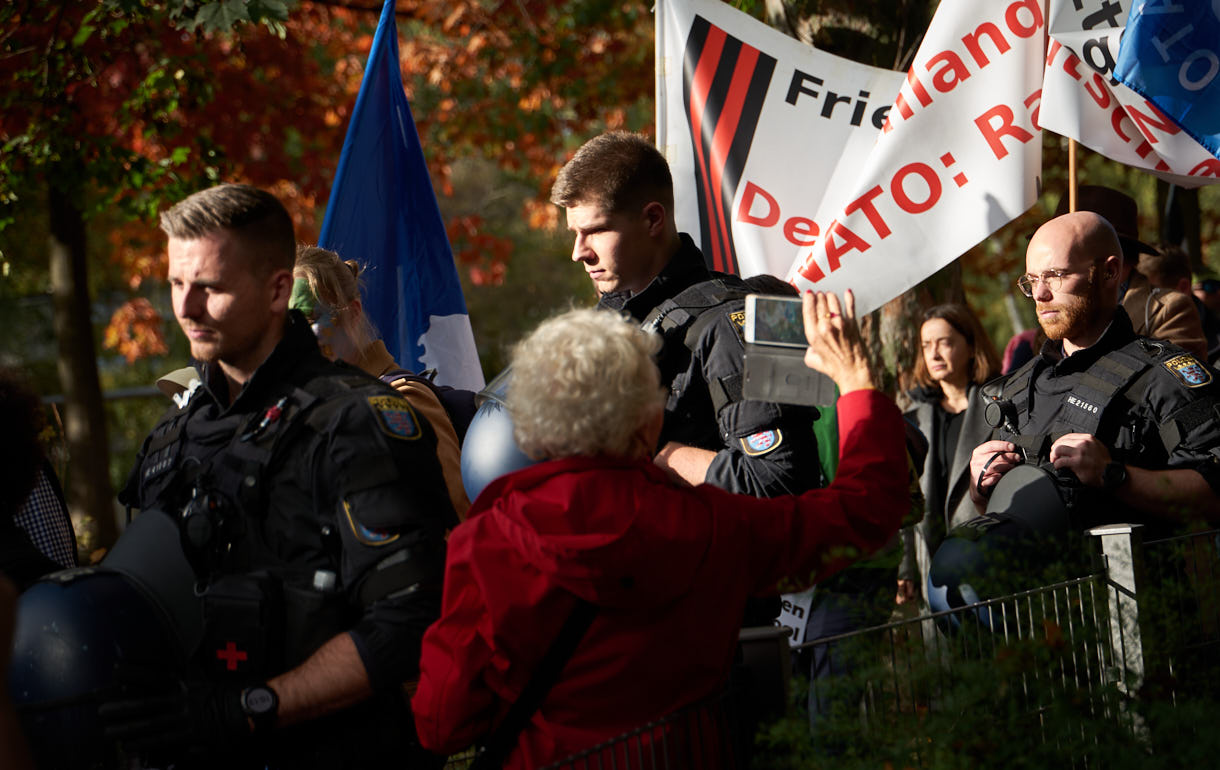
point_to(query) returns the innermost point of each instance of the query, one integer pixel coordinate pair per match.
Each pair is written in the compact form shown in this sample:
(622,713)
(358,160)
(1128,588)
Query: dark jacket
(1163,416)
(318,468)
(762,448)
(948,504)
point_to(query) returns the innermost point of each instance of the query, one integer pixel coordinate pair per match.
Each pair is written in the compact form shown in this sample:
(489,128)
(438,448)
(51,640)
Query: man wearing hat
(1161,314)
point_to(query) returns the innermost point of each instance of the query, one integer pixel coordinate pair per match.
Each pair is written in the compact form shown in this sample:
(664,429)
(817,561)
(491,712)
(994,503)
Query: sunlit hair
(336,282)
(617,171)
(583,383)
(1168,268)
(256,219)
(984,363)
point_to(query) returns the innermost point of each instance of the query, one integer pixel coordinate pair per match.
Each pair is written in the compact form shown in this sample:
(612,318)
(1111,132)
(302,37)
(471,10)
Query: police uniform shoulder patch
(738,319)
(1189,371)
(761,443)
(395,416)
(367,535)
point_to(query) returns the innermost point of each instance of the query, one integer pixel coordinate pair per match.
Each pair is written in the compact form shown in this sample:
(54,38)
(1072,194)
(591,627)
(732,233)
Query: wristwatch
(260,704)
(1113,476)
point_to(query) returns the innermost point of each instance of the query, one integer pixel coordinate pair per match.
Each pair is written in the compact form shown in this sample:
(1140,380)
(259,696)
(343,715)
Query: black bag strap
(504,737)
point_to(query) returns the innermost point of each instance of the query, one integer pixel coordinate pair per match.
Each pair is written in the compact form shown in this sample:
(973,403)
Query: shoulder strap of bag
(504,737)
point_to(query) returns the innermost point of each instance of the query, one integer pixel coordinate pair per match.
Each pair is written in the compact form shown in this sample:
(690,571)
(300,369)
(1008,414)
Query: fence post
(1123,560)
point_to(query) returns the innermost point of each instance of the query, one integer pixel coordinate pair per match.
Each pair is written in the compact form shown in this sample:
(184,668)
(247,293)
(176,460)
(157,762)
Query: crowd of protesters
(352,607)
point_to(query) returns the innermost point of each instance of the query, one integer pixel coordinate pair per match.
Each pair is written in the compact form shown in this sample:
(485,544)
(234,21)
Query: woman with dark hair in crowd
(956,357)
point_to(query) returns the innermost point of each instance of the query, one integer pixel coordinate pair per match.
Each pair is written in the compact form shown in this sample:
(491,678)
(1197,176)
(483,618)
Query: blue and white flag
(1170,55)
(383,214)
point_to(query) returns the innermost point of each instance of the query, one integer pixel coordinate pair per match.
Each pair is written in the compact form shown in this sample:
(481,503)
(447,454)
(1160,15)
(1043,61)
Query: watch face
(1113,475)
(259,700)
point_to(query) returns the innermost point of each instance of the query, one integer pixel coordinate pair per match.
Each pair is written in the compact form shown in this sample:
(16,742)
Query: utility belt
(257,625)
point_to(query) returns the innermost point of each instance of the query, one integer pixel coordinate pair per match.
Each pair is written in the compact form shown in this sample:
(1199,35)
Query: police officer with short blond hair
(312,510)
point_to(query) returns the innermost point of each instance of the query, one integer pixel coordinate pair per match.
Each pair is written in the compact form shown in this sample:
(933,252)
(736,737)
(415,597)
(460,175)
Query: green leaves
(221,16)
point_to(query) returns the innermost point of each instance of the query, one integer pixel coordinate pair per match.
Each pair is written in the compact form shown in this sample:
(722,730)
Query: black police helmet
(84,636)
(489,450)
(1023,541)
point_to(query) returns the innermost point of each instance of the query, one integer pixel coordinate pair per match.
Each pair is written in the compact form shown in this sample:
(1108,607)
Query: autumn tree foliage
(112,109)
(154,105)
(523,82)
(115,108)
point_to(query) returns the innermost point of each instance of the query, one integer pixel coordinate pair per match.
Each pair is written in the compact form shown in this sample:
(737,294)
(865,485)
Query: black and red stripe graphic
(724,84)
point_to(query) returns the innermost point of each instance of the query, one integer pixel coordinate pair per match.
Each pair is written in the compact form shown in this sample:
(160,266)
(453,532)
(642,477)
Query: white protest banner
(959,157)
(794,615)
(759,130)
(1083,100)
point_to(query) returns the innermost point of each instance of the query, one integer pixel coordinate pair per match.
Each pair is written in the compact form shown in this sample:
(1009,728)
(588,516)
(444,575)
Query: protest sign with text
(1083,99)
(958,158)
(759,130)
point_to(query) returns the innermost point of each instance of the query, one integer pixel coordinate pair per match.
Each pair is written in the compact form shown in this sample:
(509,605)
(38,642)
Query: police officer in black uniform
(311,507)
(1129,424)
(618,194)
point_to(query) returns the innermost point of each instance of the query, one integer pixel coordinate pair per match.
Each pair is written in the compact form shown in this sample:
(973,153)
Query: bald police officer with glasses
(1134,420)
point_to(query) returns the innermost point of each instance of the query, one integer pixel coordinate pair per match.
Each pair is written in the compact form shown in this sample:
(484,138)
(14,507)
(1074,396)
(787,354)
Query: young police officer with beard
(1133,419)
(313,512)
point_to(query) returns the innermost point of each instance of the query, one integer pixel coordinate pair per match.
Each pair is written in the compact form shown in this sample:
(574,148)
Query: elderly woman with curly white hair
(666,567)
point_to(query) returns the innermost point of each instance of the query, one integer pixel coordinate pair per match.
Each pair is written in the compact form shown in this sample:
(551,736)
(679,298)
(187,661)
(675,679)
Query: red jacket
(669,568)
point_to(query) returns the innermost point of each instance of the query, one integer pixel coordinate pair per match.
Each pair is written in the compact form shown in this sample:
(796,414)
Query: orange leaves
(138,252)
(517,82)
(542,215)
(485,255)
(533,101)
(476,43)
(135,331)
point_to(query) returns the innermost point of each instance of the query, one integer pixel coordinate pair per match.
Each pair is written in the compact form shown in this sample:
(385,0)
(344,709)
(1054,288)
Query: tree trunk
(90,498)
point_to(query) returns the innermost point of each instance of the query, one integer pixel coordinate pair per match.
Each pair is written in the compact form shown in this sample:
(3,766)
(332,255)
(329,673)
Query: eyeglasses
(1053,279)
(1208,285)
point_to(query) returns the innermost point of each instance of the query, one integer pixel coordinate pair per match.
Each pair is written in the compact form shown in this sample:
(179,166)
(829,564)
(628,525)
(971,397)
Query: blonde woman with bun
(326,289)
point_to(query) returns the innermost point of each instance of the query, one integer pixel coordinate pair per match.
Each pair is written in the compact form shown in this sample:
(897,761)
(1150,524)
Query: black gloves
(200,717)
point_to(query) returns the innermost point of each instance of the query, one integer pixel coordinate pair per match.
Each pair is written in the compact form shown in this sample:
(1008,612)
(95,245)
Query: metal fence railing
(1070,665)
(1178,605)
(702,735)
(1145,624)
(1050,641)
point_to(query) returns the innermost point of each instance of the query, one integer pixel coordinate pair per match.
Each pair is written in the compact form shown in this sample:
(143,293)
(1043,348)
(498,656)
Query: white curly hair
(583,383)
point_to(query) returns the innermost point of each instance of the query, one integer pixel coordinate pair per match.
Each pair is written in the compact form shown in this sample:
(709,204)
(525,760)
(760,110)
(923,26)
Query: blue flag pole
(383,214)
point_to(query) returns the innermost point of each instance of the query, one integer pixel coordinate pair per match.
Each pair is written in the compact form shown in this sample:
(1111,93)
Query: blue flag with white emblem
(1170,55)
(383,214)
